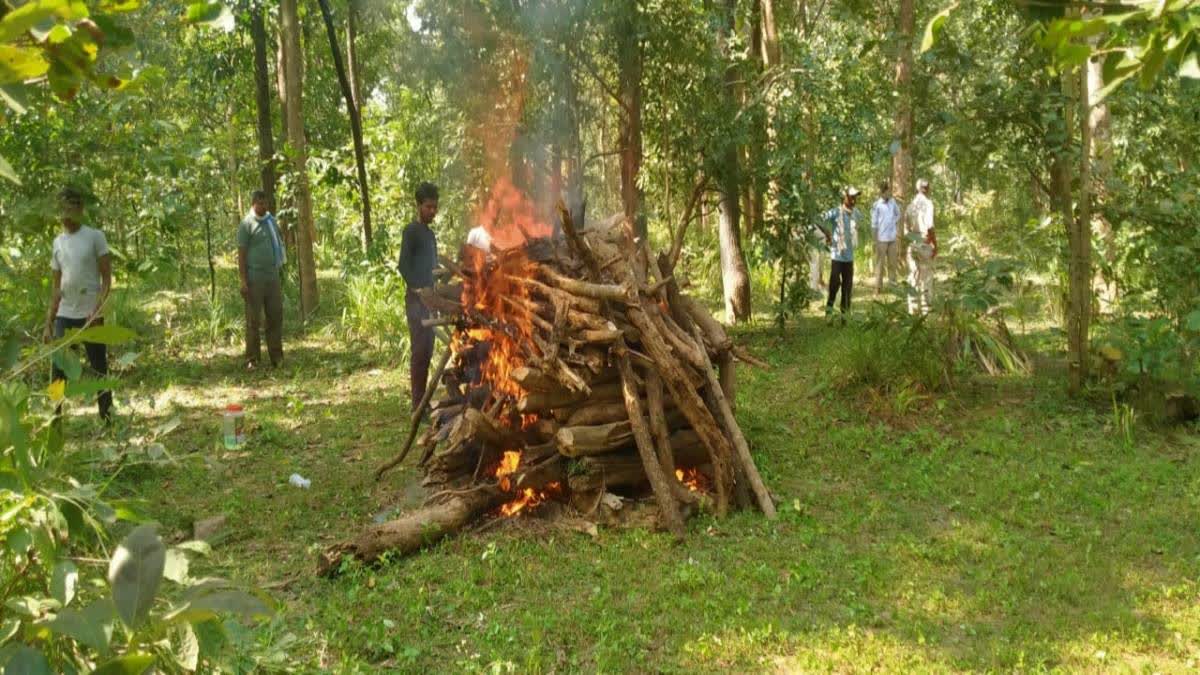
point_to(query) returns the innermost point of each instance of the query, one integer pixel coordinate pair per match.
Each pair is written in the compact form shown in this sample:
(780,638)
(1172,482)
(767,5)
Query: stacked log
(575,366)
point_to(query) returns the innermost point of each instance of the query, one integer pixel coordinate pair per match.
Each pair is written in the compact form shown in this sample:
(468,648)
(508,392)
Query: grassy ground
(997,528)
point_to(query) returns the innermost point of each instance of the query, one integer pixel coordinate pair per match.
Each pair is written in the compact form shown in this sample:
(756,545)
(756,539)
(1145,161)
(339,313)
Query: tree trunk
(902,130)
(262,100)
(360,154)
(352,55)
(629,135)
(735,277)
(1100,130)
(293,87)
(1079,306)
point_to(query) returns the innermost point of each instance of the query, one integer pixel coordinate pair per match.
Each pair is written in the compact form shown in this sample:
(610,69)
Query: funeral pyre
(575,366)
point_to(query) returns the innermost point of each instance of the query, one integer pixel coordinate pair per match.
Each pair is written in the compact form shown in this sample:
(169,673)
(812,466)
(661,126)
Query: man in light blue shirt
(842,236)
(885,219)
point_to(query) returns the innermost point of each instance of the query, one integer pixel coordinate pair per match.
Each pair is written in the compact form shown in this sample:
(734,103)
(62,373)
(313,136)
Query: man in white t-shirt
(922,249)
(81,271)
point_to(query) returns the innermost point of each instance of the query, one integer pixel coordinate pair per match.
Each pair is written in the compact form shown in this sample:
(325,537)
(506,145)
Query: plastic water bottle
(233,426)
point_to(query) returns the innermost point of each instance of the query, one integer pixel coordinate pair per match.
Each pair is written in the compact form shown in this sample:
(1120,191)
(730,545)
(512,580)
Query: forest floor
(997,527)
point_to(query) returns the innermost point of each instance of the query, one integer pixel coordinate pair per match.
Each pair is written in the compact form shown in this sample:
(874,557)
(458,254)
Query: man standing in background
(922,249)
(885,218)
(81,278)
(260,257)
(418,256)
(842,238)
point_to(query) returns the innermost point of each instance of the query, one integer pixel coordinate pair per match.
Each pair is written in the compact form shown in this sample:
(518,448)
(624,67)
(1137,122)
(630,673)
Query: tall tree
(1079,268)
(293,87)
(902,131)
(360,154)
(352,65)
(735,278)
(629,133)
(262,99)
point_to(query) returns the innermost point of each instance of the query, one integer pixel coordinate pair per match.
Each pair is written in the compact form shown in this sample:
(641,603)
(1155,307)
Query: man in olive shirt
(260,257)
(418,255)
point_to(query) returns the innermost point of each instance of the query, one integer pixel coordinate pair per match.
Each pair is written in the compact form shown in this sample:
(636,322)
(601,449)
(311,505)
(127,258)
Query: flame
(509,462)
(691,478)
(495,292)
(528,498)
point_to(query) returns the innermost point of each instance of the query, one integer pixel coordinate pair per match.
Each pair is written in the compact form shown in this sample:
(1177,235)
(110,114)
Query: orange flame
(509,462)
(528,498)
(495,290)
(691,478)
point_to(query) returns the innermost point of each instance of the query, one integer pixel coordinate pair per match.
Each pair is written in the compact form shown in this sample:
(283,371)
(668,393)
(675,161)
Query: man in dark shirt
(418,255)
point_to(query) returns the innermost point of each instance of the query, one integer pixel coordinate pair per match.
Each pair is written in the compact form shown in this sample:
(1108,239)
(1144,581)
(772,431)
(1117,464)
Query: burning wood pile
(575,367)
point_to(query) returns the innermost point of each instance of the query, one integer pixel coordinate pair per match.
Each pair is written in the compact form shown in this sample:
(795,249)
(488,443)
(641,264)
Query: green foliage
(970,315)
(891,353)
(59,616)
(373,308)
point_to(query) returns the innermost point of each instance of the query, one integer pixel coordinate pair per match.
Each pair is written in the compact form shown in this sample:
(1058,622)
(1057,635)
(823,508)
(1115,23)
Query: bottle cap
(233,407)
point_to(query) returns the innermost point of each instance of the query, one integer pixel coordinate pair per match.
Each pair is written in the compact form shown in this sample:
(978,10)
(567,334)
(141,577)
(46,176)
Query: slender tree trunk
(293,86)
(360,153)
(262,99)
(1100,130)
(734,275)
(629,135)
(1079,312)
(902,131)
(352,54)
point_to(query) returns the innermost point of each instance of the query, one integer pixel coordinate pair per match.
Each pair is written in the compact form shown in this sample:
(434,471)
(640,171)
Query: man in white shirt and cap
(81,278)
(885,221)
(922,250)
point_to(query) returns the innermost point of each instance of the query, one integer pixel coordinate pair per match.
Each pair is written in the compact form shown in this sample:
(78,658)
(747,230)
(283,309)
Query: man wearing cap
(922,249)
(81,277)
(885,218)
(260,257)
(842,237)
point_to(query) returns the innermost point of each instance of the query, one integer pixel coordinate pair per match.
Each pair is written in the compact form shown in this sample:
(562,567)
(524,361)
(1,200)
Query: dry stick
(662,436)
(690,404)
(739,443)
(415,422)
(645,446)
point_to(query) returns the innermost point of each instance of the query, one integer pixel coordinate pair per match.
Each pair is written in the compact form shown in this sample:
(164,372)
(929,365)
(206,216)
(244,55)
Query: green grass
(996,527)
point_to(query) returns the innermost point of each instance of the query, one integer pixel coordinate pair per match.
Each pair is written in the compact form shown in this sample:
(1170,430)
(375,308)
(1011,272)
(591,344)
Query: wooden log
(728,374)
(690,404)
(600,413)
(533,379)
(592,440)
(689,351)
(741,448)
(581,303)
(540,402)
(620,293)
(661,433)
(603,336)
(624,469)
(667,503)
(714,333)
(413,531)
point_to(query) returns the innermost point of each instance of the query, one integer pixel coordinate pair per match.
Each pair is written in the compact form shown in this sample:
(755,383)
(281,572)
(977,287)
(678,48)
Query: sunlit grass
(990,527)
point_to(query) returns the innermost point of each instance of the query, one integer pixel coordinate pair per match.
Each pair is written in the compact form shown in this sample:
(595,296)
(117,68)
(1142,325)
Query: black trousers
(420,339)
(97,357)
(841,276)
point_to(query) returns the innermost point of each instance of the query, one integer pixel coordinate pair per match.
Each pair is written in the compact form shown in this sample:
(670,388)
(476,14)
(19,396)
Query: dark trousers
(420,339)
(97,357)
(841,276)
(265,297)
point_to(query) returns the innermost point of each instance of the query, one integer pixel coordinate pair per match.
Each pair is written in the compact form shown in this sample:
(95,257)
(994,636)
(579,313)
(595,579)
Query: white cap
(850,191)
(922,184)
